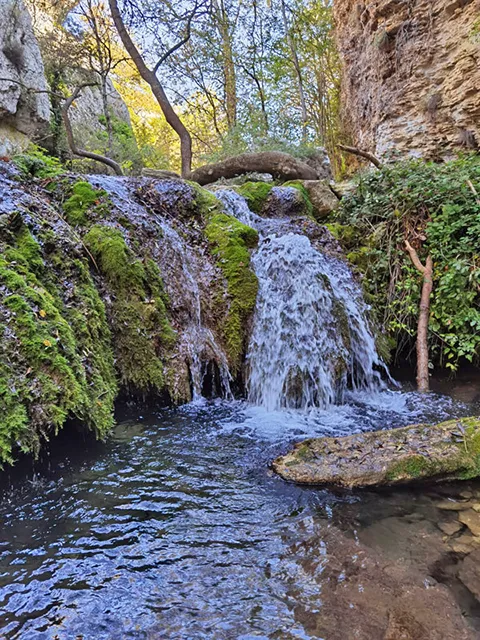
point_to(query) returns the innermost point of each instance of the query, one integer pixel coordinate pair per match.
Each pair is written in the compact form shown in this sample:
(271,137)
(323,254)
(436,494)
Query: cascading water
(196,343)
(310,338)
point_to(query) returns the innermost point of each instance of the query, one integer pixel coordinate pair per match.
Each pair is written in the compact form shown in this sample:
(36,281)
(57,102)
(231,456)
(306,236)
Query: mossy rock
(83,198)
(429,453)
(56,360)
(230,241)
(256,194)
(142,334)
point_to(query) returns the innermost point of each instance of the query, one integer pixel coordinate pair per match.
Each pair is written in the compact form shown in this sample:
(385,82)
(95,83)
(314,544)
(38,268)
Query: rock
(472,520)
(453,505)
(410,77)
(465,543)
(322,197)
(24,101)
(396,456)
(284,202)
(469,573)
(362,594)
(450,527)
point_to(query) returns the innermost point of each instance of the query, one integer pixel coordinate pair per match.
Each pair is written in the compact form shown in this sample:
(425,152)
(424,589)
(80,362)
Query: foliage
(56,362)
(433,206)
(37,163)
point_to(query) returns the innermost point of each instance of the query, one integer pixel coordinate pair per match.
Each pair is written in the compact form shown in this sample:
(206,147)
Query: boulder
(24,101)
(424,452)
(323,200)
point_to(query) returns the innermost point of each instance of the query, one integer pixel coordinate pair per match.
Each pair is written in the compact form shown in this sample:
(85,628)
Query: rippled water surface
(176,528)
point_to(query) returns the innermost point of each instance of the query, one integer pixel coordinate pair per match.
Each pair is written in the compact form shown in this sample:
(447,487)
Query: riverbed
(176,528)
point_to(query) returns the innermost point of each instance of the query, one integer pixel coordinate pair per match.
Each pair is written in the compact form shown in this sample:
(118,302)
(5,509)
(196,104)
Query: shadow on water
(176,528)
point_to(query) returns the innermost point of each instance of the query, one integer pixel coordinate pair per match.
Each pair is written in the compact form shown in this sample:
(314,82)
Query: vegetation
(53,365)
(37,163)
(143,334)
(231,241)
(83,197)
(434,207)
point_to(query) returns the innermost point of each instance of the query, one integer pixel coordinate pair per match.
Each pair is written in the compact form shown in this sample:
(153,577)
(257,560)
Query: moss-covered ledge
(424,452)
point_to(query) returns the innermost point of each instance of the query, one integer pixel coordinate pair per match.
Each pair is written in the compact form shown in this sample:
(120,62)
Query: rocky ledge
(423,452)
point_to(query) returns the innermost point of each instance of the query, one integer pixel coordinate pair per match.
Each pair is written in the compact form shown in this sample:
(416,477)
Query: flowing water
(311,337)
(177,529)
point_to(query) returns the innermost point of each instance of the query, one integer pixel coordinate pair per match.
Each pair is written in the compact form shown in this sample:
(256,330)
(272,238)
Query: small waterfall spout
(311,340)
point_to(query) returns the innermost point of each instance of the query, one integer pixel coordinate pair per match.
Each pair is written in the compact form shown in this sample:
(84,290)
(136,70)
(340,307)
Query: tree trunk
(281,165)
(423,378)
(298,71)
(158,91)
(230,80)
(82,153)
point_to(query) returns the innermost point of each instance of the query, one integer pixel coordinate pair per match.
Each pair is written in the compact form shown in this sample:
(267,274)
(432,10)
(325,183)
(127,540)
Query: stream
(176,527)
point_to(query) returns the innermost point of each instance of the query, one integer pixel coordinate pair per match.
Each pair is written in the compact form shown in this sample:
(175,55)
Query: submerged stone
(446,451)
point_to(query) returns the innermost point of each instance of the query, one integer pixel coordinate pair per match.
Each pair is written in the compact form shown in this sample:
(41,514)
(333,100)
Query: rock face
(411,72)
(446,451)
(23,113)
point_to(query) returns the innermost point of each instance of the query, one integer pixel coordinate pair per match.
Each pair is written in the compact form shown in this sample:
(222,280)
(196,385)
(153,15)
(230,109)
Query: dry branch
(363,154)
(423,380)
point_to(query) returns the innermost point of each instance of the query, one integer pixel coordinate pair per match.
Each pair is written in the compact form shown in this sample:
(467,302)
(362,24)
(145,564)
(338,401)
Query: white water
(311,339)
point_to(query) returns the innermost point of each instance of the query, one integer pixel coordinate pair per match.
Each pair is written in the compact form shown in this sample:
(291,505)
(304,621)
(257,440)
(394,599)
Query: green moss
(462,464)
(83,197)
(36,163)
(296,184)
(57,360)
(344,233)
(256,194)
(231,241)
(142,332)
(414,466)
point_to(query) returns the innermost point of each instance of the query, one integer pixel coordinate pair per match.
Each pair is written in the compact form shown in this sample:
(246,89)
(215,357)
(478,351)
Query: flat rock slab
(423,452)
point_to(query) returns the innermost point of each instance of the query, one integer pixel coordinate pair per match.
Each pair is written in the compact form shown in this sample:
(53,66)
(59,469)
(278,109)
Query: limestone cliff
(411,75)
(24,109)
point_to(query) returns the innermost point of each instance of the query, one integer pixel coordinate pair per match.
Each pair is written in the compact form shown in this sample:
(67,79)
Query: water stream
(176,528)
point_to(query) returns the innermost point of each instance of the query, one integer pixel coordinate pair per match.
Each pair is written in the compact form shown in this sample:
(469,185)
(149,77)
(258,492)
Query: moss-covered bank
(84,310)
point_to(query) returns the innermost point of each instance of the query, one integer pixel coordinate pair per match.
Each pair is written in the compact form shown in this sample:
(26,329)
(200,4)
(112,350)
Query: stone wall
(411,75)
(24,109)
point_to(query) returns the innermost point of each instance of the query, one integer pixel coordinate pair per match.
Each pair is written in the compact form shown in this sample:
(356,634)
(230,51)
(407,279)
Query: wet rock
(453,505)
(450,528)
(465,543)
(472,520)
(445,451)
(366,595)
(284,202)
(469,573)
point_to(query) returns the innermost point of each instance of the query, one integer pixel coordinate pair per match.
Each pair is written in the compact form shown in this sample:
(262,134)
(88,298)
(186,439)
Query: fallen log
(281,166)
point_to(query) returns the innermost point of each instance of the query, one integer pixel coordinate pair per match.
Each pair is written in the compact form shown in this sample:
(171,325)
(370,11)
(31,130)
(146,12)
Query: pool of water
(176,528)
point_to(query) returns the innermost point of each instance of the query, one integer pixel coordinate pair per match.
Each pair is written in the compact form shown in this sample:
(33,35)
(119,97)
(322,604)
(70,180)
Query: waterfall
(310,339)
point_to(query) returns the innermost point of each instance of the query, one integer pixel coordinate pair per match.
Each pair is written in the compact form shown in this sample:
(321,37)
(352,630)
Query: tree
(150,76)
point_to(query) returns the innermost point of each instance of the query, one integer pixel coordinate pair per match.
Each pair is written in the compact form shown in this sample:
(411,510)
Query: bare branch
(82,153)
(363,154)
